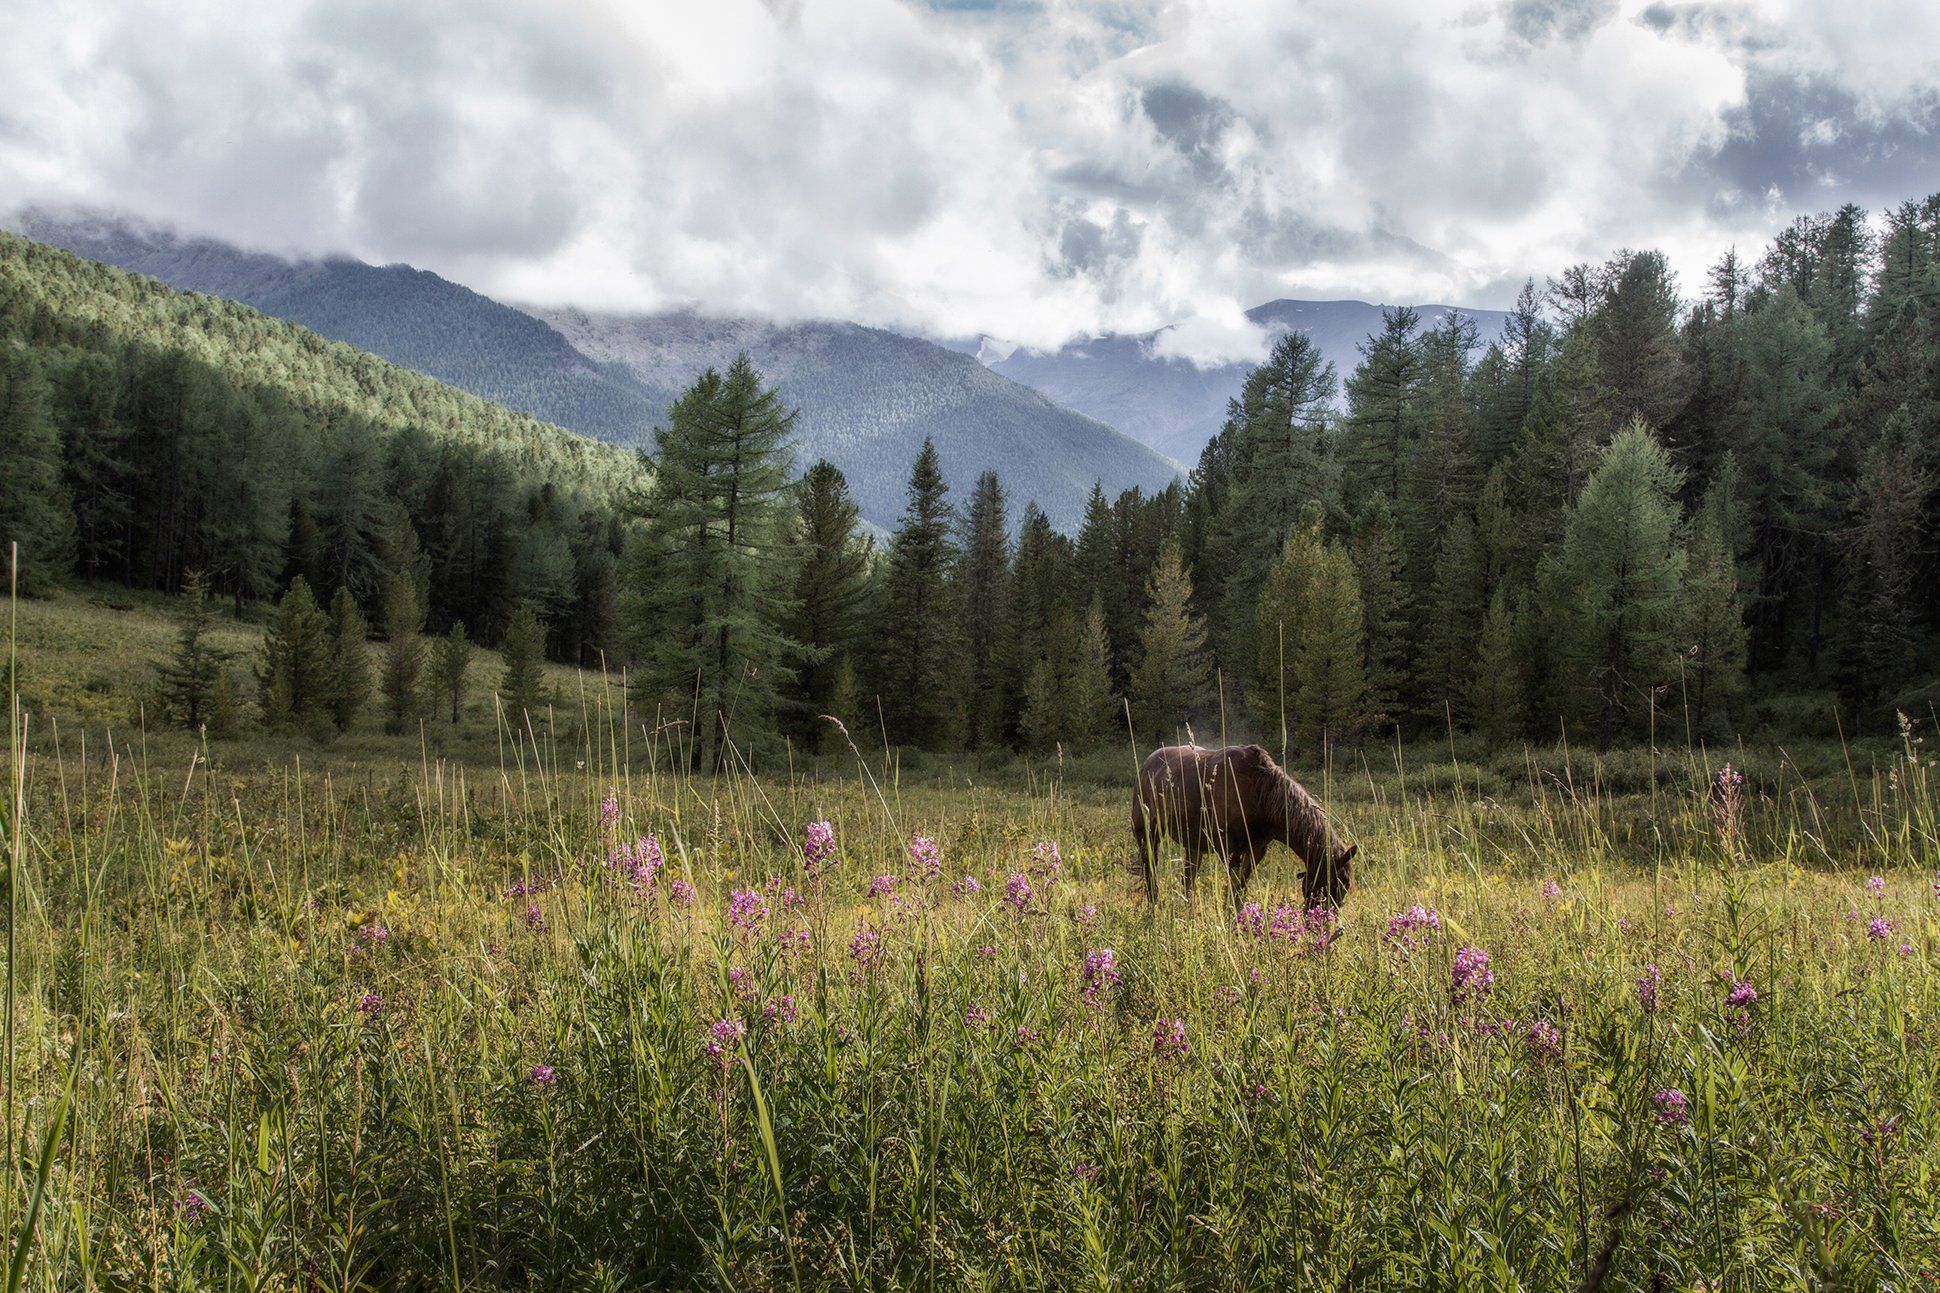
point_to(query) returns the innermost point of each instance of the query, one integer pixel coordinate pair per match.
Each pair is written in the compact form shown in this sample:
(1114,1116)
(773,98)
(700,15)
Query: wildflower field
(559,1025)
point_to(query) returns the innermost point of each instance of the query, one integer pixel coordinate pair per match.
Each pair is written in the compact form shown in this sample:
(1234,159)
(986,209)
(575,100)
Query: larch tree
(296,674)
(35,509)
(451,661)
(828,617)
(1172,681)
(1328,664)
(521,685)
(188,680)
(349,660)
(919,650)
(983,608)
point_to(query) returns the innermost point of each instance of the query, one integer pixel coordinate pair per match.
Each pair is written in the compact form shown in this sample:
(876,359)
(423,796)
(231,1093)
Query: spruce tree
(1381,404)
(1093,703)
(403,667)
(188,681)
(983,601)
(521,686)
(709,580)
(349,660)
(1622,573)
(1713,641)
(831,594)
(35,510)
(1285,599)
(296,676)
(450,661)
(1327,656)
(1495,686)
(1889,499)
(919,651)
(1172,682)
(1384,609)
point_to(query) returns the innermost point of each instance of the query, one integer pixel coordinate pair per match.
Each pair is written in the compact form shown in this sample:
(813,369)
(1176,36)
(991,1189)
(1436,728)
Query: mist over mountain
(867,397)
(1175,406)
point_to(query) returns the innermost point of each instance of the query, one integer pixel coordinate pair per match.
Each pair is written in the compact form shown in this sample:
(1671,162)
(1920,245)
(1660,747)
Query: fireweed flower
(373,935)
(883,886)
(926,857)
(796,942)
(191,1206)
(680,893)
(1743,997)
(1673,1110)
(741,981)
(1228,994)
(1471,976)
(976,1016)
(1551,889)
(1251,920)
(1017,891)
(609,812)
(1876,885)
(1100,975)
(1086,913)
(1046,861)
(535,919)
(1322,927)
(723,1035)
(1087,1172)
(1286,923)
(370,1005)
(780,1010)
(1880,928)
(542,1075)
(967,886)
(747,910)
(865,949)
(818,843)
(645,862)
(1169,1039)
(1648,984)
(1545,1042)
(1412,928)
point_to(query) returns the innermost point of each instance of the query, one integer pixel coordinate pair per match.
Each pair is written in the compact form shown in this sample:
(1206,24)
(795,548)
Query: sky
(1032,171)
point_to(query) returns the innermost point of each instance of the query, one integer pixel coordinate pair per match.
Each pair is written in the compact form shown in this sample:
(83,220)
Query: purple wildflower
(1876,885)
(818,843)
(1046,861)
(1648,984)
(1471,975)
(681,893)
(191,1206)
(1251,920)
(865,949)
(1017,891)
(741,981)
(723,1035)
(1412,928)
(747,910)
(1730,779)
(1879,927)
(966,886)
(373,935)
(1743,997)
(1100,975)
(542,1075)
(1672,1108)
(370,1005)
(928,858)
(535,920)
(1169,1039)
(976,1016)
(1228,994)
(780,1010)
(883,886)
(1551,889)
(609,812)
(1545,1042)
(1086,1172)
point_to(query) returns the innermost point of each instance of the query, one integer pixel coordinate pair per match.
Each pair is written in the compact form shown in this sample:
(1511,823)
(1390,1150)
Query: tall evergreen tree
(451,660)
(403,667)
(522,685)
(983,602)
(296,674)
(1714,618)
(1384,608)
(1285,600)
(1495,685)
(1327,658)
(188,681)
(1172,682)
(349,660)
(1622,564)
(35,510)
(830,605)
(1381,404)
(919,650)
(1892,491)
(710,588)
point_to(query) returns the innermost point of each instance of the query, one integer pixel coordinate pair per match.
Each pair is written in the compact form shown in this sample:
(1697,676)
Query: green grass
(196,1100)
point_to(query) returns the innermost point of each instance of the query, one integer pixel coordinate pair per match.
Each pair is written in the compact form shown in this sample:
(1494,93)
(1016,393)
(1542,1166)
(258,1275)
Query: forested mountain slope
(868,398)
(147,432)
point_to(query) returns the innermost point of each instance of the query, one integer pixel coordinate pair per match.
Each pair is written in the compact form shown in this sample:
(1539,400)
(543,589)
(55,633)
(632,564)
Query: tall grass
(301,1027)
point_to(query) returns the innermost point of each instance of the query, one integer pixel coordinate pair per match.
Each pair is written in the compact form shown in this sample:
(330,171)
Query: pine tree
(983,600)
(1635,326)
(1093,703)
(831,595)
(844,705)
(1450,625)
(522,685)
(1040,592)
(1714,617)
(349,660)
(710,583)
(403,652)
(35,510)
(188,681)
(919,667)
(1327,656)
(295,675)
(1622,569)
(1171,684)
(1384,608)
(1889,499)
(1381,404)
(1285,599)
(450,661)
(1495,686)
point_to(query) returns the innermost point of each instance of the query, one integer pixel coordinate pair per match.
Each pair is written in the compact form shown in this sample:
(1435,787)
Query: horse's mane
(1276,799)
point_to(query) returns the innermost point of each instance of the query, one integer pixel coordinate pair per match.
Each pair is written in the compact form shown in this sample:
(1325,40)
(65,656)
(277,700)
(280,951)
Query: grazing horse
(1235,802)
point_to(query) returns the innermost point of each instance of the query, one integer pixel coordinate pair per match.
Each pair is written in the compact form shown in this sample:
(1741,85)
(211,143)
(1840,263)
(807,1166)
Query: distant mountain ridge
(867,397)
(1175,406)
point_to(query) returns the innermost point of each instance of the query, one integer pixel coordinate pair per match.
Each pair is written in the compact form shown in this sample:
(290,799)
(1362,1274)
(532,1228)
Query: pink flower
(373,935)
(1648,984)
(818,843)
(535,919)
(680,893)
(883,886)
(741,981)
(542,1075)
(1169,1039)
(1046,861)
(1876,885)
(1086,913)
(780,1010)
(1251,920)
(927,858)
(1880,928)
(609,812)
(1673,1110)
(976,1016)
(1412,928)
(1551,889)
(1100,975)
(1742,997)
(370,1005)
(747,910)
(1017,891)
(723,1035)
(1471,976)
(967,886)
(1545,1042)
(865,949)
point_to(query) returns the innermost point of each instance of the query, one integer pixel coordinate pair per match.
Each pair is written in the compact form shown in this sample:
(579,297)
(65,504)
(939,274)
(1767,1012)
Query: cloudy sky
(1032,170)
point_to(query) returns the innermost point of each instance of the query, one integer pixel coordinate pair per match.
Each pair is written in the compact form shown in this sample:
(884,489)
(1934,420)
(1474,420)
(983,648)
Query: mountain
(1175,406)
(409,316)
(867,397)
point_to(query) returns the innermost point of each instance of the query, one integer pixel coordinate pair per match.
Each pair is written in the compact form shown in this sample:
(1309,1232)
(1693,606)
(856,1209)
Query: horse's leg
(1145,832)
(1194,855)
(1242,870)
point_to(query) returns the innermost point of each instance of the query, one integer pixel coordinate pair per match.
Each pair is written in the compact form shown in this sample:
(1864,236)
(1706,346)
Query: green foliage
(450,663)
(918,646)
(403,660)
(1327,656)
(1286,598)
(1171,684)
(521,687)
(297,678)
(36,516)
(189,680)
(349,660)
(983,605)
(830,603)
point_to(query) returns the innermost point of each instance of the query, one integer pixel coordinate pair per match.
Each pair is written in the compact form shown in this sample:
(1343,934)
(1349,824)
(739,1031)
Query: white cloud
(1032,172)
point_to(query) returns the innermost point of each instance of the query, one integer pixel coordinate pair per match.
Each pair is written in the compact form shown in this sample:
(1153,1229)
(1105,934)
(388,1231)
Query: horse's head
(1329,887)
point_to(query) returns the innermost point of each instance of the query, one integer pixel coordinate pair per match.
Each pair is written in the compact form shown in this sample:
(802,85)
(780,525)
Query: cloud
(1031,169)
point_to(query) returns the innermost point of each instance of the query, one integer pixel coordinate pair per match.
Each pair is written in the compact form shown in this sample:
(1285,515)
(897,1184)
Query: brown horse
(1235,802)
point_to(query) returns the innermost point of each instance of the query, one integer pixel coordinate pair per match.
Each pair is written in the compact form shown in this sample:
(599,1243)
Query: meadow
(546,1011)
